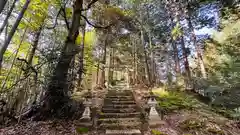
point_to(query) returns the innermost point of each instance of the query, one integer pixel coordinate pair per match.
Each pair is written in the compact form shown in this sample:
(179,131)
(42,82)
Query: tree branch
(56,20)
(29,66)
(61,10)
(65,16)
(93,25)
(89,5)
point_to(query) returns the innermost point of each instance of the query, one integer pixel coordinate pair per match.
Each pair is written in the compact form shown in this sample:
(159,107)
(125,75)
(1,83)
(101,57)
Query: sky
(209,11)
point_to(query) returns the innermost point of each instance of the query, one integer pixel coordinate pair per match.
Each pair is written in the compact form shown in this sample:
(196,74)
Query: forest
(120,67)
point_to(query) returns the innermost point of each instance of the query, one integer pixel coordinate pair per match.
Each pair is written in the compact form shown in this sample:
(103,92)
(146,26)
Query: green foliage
(161,92)
(68,12)
(89,63)
(156,132)
(231,114)
(17,49)
(118,12)
(82,130)
(222,60)
(176,31)
(36,13)
(89,39)
(170,101)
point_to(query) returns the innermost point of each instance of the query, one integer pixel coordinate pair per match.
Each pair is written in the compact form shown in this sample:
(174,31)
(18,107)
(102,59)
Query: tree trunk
(34,45)
(148,74)
(98,66)
(102,79)
(2,5)
(201,62)
(186,64)
(194,39)
(57,94)
(172,6)
(30,59)
(176,58)
(168,68)
(113,63)
(81,59)
(110,70)
(153,77)
(175,52)
(12,32)
(134,62)
(7,17)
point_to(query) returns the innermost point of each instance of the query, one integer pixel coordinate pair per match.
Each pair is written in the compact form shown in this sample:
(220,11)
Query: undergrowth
(231,114)
(169,101)
(174,100)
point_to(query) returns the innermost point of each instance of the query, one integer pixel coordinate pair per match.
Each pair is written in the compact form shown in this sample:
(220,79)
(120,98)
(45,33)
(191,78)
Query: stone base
(156,123)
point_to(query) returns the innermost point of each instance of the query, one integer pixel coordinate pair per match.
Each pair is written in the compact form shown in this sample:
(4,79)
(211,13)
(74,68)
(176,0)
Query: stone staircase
(119,114)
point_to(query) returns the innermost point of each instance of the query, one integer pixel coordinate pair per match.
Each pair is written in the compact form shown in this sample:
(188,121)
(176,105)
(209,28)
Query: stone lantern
(154,118)
(87,112)
(152,104)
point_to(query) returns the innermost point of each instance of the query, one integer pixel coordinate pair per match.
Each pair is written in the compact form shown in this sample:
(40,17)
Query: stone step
(119,94)
(120,98)
(120,89)
(84,124)
(114,110)
(119,120)
(119,126)
(123,132)
(110,93)
(120,106)
(120,115)
(118,102)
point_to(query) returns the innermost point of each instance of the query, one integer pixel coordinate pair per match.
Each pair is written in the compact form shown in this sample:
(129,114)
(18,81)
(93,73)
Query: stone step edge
(134,113)
(117,109)
(120,119)
(120,115)
(120,132)
(122,124)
